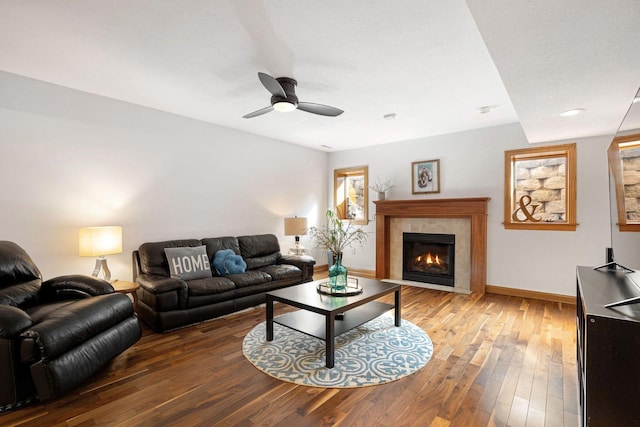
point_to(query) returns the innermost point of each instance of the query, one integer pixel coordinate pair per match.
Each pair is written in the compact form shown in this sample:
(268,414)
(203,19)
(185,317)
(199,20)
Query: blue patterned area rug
(372,354)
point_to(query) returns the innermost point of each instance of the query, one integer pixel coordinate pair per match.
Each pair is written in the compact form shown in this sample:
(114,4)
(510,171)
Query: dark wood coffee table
(318,315)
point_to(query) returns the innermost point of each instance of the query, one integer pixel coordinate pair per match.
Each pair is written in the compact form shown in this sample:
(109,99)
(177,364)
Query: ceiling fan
(284,98)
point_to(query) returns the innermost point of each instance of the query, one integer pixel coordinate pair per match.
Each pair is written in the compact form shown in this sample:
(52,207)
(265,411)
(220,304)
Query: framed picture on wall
(425,176)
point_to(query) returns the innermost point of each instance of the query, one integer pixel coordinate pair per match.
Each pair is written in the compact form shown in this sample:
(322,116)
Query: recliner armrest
(13,321)
(74,286)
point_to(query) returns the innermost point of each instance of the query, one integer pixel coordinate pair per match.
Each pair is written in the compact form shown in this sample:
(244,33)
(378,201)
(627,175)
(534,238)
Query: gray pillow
(189,263)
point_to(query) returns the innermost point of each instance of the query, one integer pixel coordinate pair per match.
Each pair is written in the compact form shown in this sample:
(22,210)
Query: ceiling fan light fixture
(284,106)
(284,99)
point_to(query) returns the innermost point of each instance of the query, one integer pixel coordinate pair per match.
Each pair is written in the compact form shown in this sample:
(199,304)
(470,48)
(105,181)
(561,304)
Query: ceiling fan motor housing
(289,86)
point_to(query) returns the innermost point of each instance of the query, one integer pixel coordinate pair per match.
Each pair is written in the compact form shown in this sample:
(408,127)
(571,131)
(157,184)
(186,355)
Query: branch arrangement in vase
(337,234)
(380,186)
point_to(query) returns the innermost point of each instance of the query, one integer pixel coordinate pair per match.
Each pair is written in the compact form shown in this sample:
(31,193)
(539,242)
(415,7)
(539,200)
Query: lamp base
(101,263)
(297,249)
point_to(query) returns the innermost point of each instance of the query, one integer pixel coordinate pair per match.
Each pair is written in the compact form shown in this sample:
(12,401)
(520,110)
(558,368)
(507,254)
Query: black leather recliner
(56,334)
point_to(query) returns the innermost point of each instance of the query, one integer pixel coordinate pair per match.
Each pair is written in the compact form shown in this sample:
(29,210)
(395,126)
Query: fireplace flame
(428,259)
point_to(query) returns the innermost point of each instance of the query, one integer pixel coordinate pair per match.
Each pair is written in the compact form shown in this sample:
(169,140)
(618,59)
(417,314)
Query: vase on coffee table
(338,274)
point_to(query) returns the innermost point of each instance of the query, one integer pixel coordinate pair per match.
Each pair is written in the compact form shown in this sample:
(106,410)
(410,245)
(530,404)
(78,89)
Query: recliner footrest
(75,323)
(55,377)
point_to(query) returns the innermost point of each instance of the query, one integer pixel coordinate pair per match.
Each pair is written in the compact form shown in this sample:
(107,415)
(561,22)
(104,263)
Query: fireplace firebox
(428,258)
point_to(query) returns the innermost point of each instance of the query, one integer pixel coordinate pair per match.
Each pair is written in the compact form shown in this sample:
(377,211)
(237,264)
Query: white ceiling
(431,62)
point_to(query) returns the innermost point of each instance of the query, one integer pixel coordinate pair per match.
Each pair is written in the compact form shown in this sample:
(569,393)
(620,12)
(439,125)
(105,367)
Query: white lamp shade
(295,226)
(99,241)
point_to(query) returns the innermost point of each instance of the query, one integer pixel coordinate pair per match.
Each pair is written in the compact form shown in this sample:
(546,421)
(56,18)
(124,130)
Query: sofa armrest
(155,288)
(13,321)
(160,284)
(303,262)
(74,286)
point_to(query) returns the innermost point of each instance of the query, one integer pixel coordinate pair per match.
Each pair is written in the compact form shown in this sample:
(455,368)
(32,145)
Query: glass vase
(338,274)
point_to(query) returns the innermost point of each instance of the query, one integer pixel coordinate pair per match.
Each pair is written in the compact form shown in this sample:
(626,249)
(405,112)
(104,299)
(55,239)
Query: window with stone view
(624,163)
(540,188)
(350,194)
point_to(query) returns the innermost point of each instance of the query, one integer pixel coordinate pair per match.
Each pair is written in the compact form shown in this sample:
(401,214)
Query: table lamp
(98,242)
(295,227)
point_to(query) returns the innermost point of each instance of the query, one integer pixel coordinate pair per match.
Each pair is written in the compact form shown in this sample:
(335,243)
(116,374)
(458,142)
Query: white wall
(70,159)
(472,165)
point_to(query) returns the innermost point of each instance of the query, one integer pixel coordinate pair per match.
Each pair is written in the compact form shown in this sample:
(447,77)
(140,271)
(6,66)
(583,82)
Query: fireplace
(428,258)
(469,217)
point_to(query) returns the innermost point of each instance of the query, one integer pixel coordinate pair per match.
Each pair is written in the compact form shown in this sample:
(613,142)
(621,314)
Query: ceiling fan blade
(272,85)
(323,110)
(260,112)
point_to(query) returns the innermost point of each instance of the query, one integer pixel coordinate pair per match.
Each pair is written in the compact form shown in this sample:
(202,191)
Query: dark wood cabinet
(608,342)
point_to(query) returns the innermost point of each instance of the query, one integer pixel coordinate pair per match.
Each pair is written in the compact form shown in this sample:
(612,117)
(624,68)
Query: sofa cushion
(282,271)
(226,262)
(16,266)
(13,321)
(39,312)
(188,263)
(259,250)
(215,244)
(20,278)
(153,259)
(249,278)
(22,295)
(212,285)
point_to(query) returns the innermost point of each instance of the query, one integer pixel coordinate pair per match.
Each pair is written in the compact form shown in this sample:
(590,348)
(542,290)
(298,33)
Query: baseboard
(367,274)
(320,269)
(324,270)
(525,293)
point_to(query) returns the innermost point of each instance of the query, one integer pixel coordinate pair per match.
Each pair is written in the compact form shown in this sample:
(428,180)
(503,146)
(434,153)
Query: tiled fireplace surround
(466,218)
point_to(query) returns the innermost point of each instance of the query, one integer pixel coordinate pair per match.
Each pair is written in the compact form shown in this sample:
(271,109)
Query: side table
(125,287)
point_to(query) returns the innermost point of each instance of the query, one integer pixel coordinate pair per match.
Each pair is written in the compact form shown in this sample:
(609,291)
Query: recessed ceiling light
(325,146)
(573,112)
(390,116)
(486,109)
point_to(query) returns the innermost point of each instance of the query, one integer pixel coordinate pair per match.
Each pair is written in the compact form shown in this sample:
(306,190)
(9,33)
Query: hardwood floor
(497,361)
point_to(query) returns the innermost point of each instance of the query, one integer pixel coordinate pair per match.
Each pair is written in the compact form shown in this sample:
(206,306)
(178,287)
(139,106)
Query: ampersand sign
(524,202)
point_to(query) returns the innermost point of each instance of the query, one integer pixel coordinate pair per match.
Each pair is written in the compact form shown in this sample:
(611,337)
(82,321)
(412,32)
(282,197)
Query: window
(350,193)
(624,163)
(540,188)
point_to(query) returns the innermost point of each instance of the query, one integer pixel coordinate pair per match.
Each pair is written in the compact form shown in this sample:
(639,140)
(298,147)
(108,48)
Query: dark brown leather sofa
(166,302)
(55,334)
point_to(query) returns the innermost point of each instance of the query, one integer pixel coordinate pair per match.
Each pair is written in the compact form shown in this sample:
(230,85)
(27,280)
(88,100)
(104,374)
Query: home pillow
(226,261)
(188,263)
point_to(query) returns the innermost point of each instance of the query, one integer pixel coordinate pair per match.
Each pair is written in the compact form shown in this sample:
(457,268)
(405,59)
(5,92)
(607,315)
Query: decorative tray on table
(352,288)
